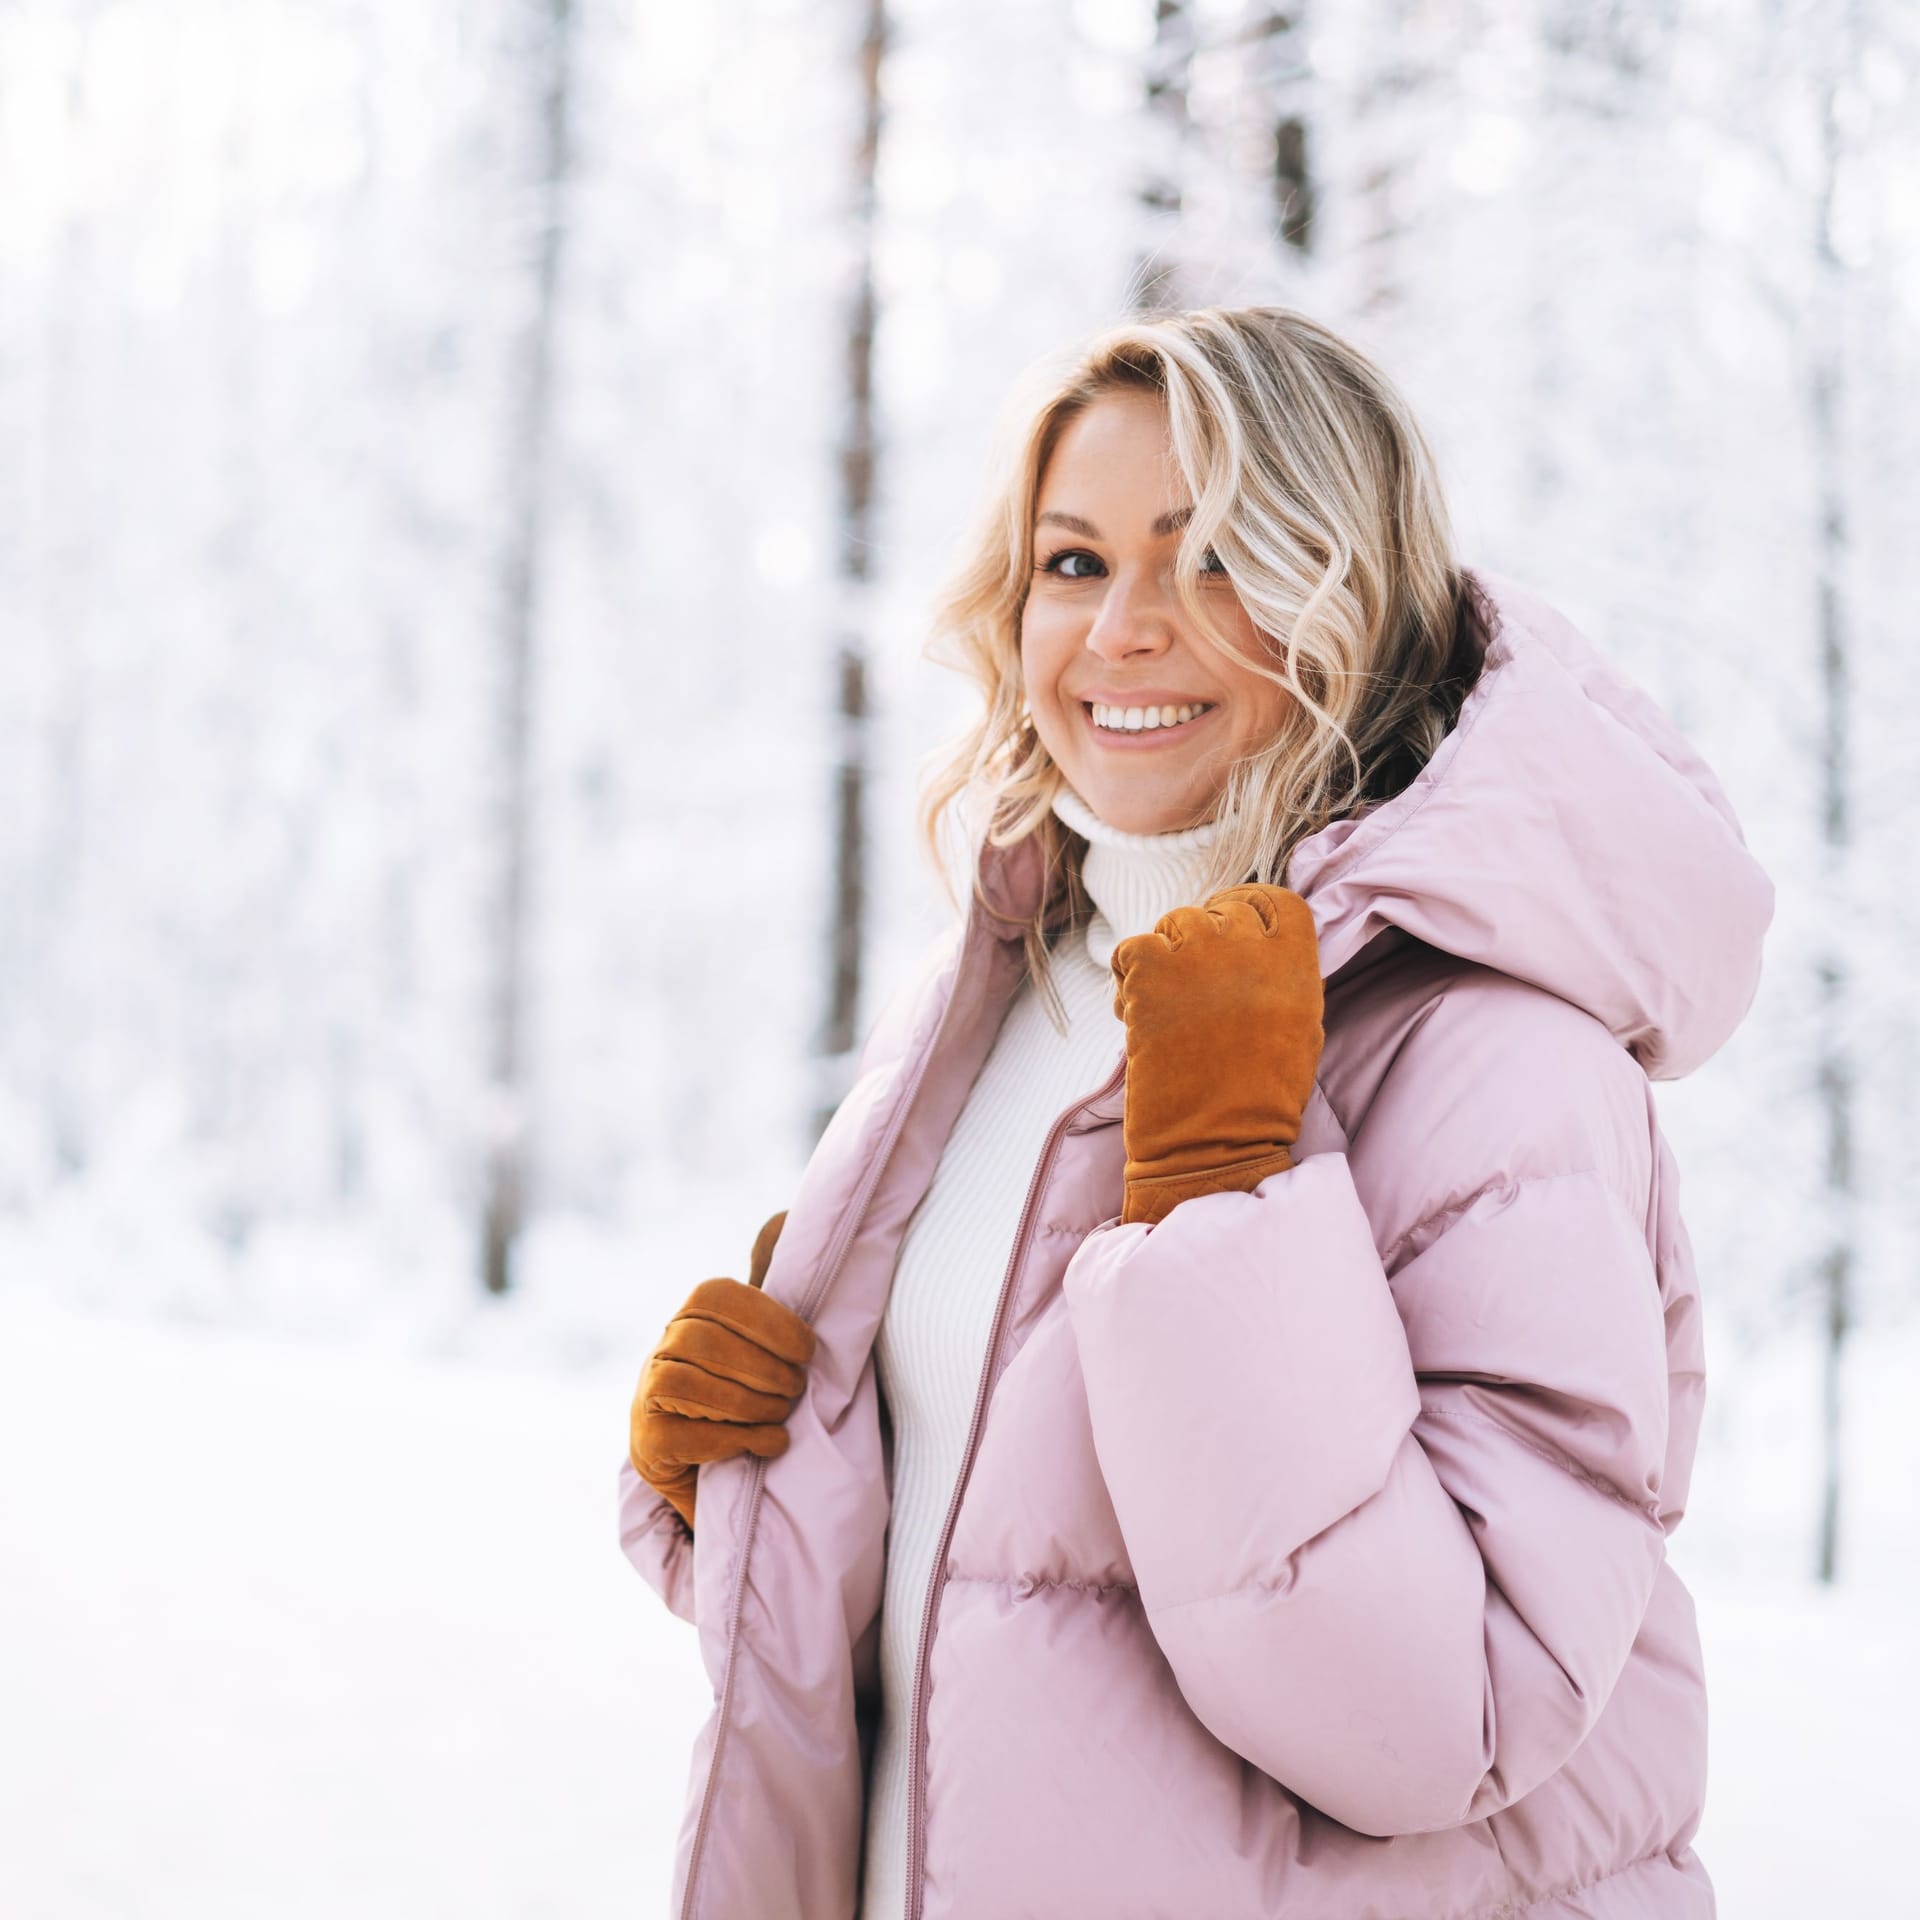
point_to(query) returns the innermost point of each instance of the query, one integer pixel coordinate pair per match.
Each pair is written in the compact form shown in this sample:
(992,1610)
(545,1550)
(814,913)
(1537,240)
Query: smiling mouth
(1148,723)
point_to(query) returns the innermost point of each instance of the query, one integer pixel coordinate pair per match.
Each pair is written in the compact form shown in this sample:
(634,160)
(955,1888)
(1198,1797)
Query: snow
(309,1628)
(1813,1786)
(309,1631)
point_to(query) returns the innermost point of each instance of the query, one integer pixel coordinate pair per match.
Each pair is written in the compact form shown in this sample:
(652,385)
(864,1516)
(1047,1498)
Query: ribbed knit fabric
(946,1285)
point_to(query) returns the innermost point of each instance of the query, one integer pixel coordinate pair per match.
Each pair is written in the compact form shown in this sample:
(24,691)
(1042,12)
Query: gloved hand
(1222,1005)
(721,1382)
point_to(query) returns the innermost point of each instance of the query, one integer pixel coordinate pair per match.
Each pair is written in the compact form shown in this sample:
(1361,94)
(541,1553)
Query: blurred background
(472,478)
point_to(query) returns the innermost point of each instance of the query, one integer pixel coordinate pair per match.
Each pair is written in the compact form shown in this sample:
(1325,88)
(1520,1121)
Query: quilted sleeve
(1395,1539)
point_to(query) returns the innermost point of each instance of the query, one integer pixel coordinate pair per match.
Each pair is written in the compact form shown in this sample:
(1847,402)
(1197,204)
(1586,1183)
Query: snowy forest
(475,474)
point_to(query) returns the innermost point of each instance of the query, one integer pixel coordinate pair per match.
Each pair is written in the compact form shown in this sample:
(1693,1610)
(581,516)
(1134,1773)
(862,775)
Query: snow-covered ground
(298,1629)
(306,1632)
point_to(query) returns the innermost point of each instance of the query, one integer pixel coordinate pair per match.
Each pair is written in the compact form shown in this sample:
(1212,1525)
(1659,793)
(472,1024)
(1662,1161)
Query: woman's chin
(1126,807)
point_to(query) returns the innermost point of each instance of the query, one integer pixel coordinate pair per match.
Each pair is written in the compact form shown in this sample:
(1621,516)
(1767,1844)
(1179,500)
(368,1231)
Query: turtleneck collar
(1133,878)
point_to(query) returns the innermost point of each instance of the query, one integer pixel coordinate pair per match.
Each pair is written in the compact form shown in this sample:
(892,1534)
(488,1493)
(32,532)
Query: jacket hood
(1564,833)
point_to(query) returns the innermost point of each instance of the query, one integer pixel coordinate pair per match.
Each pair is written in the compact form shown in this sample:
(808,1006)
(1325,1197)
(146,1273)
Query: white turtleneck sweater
(933,1340)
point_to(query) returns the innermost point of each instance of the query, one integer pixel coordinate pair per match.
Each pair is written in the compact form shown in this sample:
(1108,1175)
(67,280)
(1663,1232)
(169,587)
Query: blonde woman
(1202,1441)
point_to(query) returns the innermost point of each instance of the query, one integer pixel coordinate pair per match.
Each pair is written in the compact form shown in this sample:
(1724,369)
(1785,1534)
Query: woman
(1203,1438)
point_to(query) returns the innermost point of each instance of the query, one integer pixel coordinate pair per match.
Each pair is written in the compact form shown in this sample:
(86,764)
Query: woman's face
(1110,659)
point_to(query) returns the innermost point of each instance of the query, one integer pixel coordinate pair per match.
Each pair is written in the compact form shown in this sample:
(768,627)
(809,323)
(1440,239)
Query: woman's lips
(1143,739)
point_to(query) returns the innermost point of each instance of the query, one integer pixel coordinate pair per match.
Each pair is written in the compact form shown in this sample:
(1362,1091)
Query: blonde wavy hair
(1312,483)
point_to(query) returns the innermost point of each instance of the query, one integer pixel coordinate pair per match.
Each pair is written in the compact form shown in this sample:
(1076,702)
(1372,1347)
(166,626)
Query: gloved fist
(721,1382)
(1222,1005)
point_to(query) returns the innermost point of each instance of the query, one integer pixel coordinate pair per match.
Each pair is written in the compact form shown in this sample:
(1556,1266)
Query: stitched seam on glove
(1270,1162)
(1151,1197)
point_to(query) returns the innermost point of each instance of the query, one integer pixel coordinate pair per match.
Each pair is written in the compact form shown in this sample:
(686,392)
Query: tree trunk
(66,581)
(1157,277)
(545,58)
(1392,79)
(1834,997)
(847,931)
(1281,76)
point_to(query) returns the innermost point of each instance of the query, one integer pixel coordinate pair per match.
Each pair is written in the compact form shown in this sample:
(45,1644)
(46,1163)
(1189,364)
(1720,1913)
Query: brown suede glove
(1222,1005)
(721,1382)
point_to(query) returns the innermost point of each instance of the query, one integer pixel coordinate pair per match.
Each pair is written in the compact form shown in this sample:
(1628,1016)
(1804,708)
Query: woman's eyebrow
(1167,523)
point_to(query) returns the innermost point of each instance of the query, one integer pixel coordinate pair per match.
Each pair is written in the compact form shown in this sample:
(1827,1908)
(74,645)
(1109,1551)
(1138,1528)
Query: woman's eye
(1058,564)
(1210,562)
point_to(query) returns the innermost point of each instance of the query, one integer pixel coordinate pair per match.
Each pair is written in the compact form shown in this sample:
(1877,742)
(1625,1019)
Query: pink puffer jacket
(1309,1555)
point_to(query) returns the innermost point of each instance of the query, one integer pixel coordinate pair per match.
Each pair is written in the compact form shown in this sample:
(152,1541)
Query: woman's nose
(1134,617)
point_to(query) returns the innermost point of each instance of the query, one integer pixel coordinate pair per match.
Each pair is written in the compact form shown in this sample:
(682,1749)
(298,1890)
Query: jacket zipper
(917,1738)
(829,1269)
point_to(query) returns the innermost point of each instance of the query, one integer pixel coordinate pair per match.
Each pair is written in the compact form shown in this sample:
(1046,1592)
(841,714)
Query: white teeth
(1143,719)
